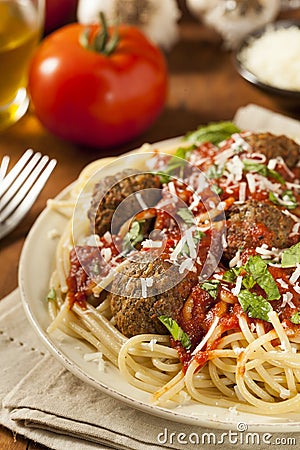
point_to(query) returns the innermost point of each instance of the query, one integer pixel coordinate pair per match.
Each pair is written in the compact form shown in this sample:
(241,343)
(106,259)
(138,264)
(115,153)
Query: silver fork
(21,186)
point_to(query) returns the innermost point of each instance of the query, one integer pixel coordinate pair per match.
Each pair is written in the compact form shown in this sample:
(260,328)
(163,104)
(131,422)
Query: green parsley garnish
(287,199)
(263,170)
(132,237)
(211,286)
(51,296)
(255,271)
(216,189)
(255,306)
(295,318)
(186,215)
(215,133)
(177,161)
(291,256)
(232,274)
(176,331)
(214,171)
(197,236)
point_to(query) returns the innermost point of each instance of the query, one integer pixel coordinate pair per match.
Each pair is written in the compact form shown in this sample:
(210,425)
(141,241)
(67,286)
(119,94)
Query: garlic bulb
(234,19)
(156,18)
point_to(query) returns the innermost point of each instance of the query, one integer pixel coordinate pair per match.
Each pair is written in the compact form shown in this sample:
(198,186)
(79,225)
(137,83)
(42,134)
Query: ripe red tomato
(97,99)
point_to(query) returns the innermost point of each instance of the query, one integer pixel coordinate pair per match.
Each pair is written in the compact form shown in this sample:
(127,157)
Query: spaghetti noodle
(234,337)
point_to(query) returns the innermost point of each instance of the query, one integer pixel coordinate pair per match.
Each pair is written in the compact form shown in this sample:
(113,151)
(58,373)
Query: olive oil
(19,34)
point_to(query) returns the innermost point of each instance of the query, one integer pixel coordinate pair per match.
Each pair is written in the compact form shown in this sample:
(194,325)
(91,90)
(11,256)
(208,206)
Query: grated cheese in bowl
(272,57)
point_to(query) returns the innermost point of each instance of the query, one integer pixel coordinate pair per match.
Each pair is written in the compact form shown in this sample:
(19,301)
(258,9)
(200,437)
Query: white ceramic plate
(36,265)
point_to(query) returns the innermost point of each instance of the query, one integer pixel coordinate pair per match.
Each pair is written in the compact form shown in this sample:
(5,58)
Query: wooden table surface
(204,87)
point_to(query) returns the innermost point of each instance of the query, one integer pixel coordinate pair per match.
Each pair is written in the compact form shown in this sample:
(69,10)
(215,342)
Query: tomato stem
(102,42)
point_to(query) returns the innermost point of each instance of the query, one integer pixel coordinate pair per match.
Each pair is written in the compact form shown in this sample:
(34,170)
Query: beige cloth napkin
(44,402)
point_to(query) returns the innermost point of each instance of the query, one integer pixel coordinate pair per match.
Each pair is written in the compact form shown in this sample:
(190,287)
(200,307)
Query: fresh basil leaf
(291,256)
(263,170)
(132,237)
(186,215)
(295,318)
(258,268)
(248,281)
(176,331)
(211,286)
(215,133)
(255,306)
(51,296)
(287,199)
(232,274)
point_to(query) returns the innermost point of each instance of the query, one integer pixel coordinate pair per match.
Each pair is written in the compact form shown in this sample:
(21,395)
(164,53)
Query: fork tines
(21,186)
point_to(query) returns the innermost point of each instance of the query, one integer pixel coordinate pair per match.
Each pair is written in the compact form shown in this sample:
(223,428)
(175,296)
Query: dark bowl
(286,98)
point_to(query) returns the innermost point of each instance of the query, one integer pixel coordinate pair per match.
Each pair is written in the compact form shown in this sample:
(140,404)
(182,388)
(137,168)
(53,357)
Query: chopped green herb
(211,286)
(295,318)
(263,170)
(176,331)
(291,256)
(255,306)
(232,274)
(287,199)
(255,271)
(248,281)
(186,215)
(197,236)
(213,132)
(214,172)
(216,189)
(132,237)
(258,268)
(51,295)
(177,161)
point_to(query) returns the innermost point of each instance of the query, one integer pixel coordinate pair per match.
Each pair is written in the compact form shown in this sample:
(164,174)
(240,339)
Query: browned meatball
(273,146)
(112,190)
(135,314)
(255,223)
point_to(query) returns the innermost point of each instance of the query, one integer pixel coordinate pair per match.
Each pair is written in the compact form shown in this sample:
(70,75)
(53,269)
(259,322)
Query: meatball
(112,190)
(135,314)
(273,146)
(255,223)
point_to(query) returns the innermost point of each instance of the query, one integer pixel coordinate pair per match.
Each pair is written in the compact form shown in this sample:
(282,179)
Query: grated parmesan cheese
(238,285)
(187,264)
(296,287)
(149,243)
(172,188)
(191,243)
(287,300)
(295,275)
(107,237)
(242,192)
(275,57)
(106,254)
(140,199)
(251,182)
(282,283)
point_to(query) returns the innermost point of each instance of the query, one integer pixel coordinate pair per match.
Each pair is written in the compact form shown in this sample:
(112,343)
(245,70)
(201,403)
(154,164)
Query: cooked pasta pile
(225,333)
